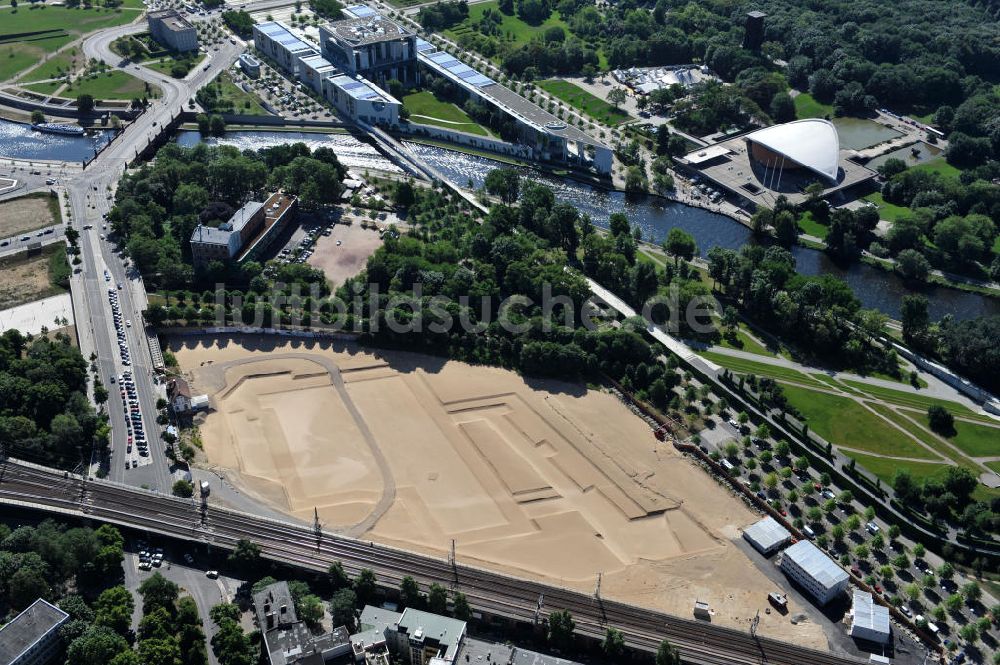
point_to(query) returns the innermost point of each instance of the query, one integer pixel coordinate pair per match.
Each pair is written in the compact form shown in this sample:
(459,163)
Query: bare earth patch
(543,479)
(339,262)
(24,214)
(26,279)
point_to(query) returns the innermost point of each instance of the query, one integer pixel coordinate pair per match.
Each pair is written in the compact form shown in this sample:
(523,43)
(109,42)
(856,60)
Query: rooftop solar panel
(423,45)
(468,75)
(353,85)
(481,81)
(448,64)
(361,11)
(440,56)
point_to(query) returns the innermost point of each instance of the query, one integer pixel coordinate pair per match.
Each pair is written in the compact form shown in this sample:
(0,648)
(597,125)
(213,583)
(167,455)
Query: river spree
(875,288)
(20,141)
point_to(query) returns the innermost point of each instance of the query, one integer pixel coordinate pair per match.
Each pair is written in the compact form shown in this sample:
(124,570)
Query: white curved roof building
(811,144)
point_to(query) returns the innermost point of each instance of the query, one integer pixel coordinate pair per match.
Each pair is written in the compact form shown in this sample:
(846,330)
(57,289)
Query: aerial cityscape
(525,332)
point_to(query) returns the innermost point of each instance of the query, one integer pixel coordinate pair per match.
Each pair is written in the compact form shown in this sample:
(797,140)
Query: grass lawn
(939,165)
(885,469)
(844,422)
(427,109)
(888,211)
(807,107)
(915,401)
(511,27)
(113,84)
(580,99)
(18,56)
(20,53)
(166,64)
(973,439)
(812,227)
(745,342)
(57,65)
(233,97)
(46,88)
(759,368)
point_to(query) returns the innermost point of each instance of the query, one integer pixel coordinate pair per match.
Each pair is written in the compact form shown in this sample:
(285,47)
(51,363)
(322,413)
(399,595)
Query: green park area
(744,366)
(511,27)
(426,109)
(843,421)
(223,96)
(27,34)
(810,226)
(887,211)
(112,84)
(973,439)
(582,100)
(885,469)
(806,106)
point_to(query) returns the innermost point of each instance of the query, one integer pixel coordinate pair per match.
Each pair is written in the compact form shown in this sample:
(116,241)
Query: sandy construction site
(537,478)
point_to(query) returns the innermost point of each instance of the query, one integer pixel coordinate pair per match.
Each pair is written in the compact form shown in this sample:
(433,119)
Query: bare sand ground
(537,478)
(24,214)
(339,262)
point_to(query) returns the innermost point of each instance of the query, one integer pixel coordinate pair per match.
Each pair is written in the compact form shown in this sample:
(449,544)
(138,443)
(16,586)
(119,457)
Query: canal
(20,141)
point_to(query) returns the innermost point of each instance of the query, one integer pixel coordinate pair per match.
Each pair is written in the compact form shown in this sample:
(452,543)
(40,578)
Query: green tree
(365,585)
(114,608)
(561,627)
(680,244)
(462,611)
(183,488)
(666,654)
(617,96)
(972,592)
(245,558)
(505,184)
(338,576)
(159,652)
(37,117)
(85,104)
(940,420)
(409,593)
(437,599)
(158,591)
(343,606)
(97,646)
(613,644)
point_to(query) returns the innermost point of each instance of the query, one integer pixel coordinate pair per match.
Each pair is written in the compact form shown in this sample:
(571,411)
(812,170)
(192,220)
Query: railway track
(511,597)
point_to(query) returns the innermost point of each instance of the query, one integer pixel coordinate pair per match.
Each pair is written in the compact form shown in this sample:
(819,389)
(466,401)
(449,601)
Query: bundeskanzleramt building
(373,47)
(248,232)
(815,572)
(32,638)
(172,30)
(274,40)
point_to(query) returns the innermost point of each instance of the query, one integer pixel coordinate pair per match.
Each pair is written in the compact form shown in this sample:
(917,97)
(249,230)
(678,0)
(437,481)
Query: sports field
(415,451)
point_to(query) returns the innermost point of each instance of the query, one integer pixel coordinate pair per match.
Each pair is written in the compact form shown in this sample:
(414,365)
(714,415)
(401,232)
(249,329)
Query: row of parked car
(130,397)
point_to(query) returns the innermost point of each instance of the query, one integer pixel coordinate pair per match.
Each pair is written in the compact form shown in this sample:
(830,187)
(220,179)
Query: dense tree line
(952,224)
(968,346)
(949,498)
(239,22)
(45,416)
(820,315)
(159,206)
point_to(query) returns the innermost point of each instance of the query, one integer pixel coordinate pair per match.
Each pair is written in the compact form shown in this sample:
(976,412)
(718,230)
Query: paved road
(22,241)
(91,196)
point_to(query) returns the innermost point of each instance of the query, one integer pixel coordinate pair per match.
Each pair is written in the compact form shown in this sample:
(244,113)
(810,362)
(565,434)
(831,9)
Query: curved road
(90,195)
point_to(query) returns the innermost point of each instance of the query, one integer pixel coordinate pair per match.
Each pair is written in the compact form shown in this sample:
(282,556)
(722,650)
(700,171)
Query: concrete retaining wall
(498,146)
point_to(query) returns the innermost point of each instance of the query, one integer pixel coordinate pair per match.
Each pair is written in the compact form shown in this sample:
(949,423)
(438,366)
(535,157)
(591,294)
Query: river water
(875,288)
(20,141)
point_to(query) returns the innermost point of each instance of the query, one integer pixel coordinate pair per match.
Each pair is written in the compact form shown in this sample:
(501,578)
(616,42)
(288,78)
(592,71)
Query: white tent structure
(811,144)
